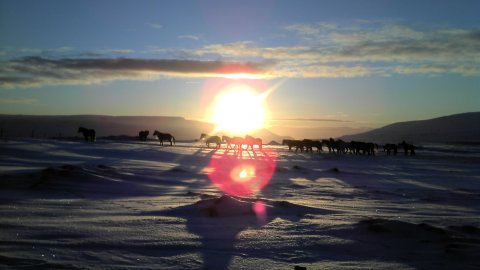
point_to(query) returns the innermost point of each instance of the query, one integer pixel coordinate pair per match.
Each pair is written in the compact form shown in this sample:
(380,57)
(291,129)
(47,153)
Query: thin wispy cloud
(155,25)
(19,100)
(192,37)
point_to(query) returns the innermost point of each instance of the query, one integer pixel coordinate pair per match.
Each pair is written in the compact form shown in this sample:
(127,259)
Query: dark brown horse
(389,148)
(407,148)
(164,137)
(293,143)
(88,134)
(142,135)
(214,139)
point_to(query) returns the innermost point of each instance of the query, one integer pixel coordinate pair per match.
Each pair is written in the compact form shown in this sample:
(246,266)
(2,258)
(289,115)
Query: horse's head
(81,129)
(156,133)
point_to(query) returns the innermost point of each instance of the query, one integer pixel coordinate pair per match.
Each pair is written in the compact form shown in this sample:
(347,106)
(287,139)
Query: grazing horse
(88,134)
(389,147)
(213,139)
(407,147)
(164,137)
(251,141)
(142,135)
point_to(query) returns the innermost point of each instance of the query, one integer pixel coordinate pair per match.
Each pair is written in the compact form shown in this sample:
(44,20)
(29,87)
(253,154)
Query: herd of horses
(238,143)
(89,135)
(234,143)
(342,147)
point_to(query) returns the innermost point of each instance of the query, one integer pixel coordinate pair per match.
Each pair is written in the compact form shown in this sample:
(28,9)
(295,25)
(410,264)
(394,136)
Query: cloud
(363,50)
(323,50)
(20,100)
(34,71)
(192,37)
(155,25)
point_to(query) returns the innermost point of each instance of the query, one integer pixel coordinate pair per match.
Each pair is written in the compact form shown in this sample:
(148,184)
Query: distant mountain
(463,127)
(67,126)
(118,127)
(301,133)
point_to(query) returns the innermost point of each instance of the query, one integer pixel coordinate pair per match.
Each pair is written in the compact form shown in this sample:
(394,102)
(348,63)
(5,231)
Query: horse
(164,137)
(309,144)
(251,141)
(407,148)
(88,134)
(237,141)
(390,147)
(330,144)
(293,143)
(362,148)
(289,143)
(142,135)
(340,145)
(214,139)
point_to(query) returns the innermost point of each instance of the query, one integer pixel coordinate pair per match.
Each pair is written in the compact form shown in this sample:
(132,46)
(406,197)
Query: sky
(321,63)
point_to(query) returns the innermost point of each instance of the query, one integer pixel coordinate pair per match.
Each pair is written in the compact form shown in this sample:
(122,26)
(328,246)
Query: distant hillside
(43,126)
(463,127)
(66,126)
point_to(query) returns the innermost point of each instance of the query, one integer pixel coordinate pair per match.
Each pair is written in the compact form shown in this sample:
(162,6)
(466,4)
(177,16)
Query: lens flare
(260,210)
(241,175)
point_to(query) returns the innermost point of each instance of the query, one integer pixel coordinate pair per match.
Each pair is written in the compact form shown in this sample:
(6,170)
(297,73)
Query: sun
(238,109)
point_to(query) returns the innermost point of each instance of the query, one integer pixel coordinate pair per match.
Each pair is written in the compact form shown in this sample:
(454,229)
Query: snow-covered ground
(138,205)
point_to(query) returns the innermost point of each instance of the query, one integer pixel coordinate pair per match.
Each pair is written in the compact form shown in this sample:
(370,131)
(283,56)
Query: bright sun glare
(238,109)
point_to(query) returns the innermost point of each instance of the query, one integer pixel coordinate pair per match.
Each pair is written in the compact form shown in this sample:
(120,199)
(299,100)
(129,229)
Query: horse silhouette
(237,141)
(164,137)
(251,141)
(142,135)
(389,148)
(407,148)
(214,139)
(203,136)
(293,143)
(330,144)
(362,148)
(309,144)
(88,134)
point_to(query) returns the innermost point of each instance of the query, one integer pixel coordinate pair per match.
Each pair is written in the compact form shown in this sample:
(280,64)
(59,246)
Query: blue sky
(357,63)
